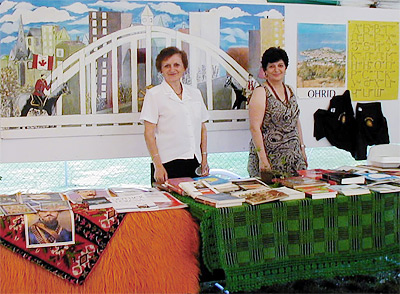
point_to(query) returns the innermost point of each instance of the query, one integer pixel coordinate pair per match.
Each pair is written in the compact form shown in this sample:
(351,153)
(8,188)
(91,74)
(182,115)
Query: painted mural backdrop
(37,36)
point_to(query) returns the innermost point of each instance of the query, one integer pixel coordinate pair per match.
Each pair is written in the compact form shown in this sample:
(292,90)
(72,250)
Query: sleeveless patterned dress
(281,138)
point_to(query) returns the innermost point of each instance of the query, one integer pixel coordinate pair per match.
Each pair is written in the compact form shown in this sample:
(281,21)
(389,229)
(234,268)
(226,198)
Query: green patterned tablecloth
(281,242)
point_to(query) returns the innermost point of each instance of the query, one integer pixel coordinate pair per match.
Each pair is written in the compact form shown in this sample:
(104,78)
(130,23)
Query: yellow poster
(373,60)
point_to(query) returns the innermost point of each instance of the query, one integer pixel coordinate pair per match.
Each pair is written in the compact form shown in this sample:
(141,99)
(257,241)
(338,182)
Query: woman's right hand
(264,165)
(160,174)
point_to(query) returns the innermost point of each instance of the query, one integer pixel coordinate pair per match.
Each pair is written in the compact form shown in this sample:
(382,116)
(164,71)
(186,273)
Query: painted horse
(238,93)
(47,103)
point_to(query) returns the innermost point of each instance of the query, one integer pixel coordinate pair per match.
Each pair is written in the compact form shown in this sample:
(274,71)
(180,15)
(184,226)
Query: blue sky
(236,19)
(314,36)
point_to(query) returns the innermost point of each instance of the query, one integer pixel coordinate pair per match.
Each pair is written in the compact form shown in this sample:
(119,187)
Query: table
(280,242)
(150,252)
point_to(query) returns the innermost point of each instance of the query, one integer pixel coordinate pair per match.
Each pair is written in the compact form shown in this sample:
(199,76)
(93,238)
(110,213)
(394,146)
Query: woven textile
(93,231)
(284,241)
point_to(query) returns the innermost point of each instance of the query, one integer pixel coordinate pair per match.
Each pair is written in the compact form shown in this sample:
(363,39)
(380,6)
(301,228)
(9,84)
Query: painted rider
(40,86)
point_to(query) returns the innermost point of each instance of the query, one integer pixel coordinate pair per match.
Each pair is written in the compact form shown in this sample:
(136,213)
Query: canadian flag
(42,62)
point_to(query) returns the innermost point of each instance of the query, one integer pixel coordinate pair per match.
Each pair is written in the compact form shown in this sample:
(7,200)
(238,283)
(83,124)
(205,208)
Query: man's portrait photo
(49,228)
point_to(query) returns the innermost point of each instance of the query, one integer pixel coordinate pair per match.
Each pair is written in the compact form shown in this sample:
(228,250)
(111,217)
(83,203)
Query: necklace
(179,94)
(276,95)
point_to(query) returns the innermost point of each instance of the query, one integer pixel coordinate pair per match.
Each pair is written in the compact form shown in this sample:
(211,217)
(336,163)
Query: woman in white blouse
(174,117)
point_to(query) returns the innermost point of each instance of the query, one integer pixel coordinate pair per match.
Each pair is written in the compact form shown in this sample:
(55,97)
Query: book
(250,184)
(312,173)
(98,202)
(318,192)
(384,188)
(220,200)
(301,182)
(292,194)
(78,195)
(196,188)
(379,177)
(350,189)
(343,177)
(259,196)
(220,184)
(172,185)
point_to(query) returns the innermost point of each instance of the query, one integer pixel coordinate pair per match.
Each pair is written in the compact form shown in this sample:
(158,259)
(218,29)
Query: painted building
(102,23)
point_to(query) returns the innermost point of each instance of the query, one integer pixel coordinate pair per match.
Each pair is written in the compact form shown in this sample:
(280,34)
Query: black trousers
(178,168)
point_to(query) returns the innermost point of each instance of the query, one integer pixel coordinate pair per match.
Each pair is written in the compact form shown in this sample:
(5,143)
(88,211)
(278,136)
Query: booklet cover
(78,195)
(98,203)
(9,199)
(16,209)
(220,200)
(35,199)
(263,196)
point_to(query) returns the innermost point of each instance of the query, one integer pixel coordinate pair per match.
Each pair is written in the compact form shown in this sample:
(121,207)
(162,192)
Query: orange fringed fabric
(153,252)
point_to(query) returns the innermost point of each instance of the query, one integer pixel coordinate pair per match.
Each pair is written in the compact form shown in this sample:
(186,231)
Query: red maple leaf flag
(42,62)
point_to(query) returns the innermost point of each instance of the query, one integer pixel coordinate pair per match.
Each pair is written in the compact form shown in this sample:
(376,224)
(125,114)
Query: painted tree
(9,90)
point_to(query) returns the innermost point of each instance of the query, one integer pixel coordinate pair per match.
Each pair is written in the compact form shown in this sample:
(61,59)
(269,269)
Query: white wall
(322,14)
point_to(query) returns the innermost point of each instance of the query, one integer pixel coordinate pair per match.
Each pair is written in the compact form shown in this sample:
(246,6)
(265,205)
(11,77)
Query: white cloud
(25,6)
(235,32)
(74,32)
(229,12)
(9,27)
(273,13)
(116,5)
(168,8)
(6,6)
(78,8)
(81,21)
(230,39)
(41,14)
(8,39)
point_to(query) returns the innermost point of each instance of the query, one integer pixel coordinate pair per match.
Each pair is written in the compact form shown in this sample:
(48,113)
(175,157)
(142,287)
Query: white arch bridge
(94,133)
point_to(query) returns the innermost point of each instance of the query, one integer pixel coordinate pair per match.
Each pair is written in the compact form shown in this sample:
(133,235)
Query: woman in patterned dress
(277,141)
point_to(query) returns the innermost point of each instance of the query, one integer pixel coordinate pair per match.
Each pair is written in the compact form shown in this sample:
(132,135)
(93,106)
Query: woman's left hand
(303,152)
(205,170)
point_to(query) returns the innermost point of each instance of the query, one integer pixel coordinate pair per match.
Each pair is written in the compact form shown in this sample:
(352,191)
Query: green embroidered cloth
(280,242)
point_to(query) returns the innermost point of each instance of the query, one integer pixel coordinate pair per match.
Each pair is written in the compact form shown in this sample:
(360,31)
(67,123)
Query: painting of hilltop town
(321,56)
(39,37)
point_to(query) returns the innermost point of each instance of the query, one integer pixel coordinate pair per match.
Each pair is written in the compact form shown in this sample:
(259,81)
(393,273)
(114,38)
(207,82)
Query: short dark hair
(274,54)
(167,53)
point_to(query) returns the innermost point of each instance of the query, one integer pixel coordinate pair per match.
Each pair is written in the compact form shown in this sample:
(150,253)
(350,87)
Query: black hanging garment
(337,123)
(372,127)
